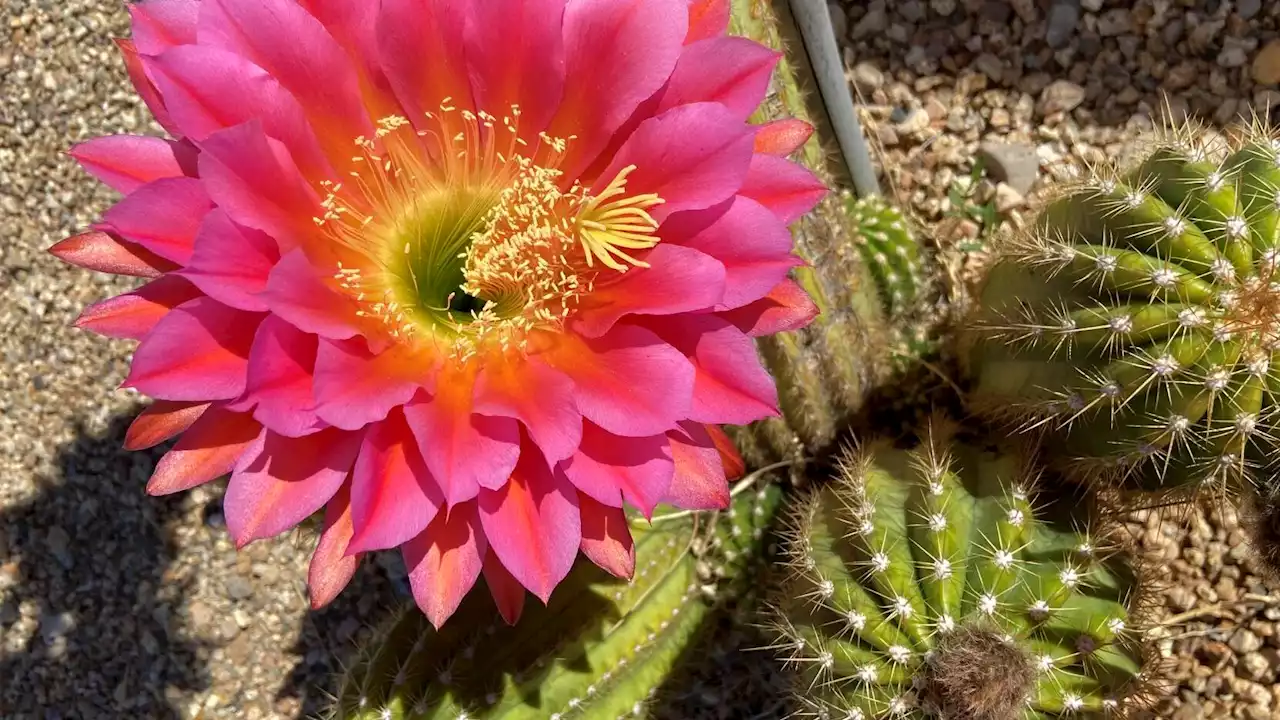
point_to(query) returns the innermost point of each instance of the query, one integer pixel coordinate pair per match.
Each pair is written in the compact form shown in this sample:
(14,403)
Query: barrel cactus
(599,649)
(937,583)
(883,238)
(1138,318)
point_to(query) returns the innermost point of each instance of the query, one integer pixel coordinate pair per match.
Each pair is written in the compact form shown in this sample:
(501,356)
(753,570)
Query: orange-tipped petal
(331,567)
(96,250)
(444,561)
(734,466)
(782,137)
(163,420)
(507,592)
(208,449)
(699,482)
(606,537)
(707,19)
(134,314)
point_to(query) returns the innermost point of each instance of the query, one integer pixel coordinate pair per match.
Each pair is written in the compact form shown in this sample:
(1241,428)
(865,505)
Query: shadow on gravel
(85,564)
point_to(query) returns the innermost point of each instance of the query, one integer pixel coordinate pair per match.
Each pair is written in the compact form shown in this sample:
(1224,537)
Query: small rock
(54,627)
(1007,199)
(1181,76)
(1115,22)
(238,588)
(915,122)
(943,7)
(228,628)
(1000,118)
(58,542)
(1266,66)
(201,615)
(989,65)
(1246,9)
(1235,53)
(874,22)
(1179,599)
(1060,96)
(1092,6)
(1013,163)
(1061,23)
(1253,666)
(1244,641)
(887,136)
(1189,711)
(1026,10)
(839,21)
(1214,654)
(867,78)
(239,649)
(935,109)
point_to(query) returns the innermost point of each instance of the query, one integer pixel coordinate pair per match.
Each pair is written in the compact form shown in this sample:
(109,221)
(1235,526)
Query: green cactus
(883,237)
(937,583)
(599,649)
(1139,319)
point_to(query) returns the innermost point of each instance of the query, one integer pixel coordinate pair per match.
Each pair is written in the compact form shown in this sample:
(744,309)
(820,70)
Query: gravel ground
(113,604)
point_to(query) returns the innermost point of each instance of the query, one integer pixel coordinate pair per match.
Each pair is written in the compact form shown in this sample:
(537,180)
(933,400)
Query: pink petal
(692,156)
(279,379)
(678,280)
(629,381)
(280,481)
(699,482)
(786,308)
(311,65)
(252,177)
(134,314)
(99,251)
(161,421)
(754,248)
(515,51)
(606,538)
(444,561)
(464,451)
(354,387)
(533,524)
(393,495)
(158,25)
(162,216)
(507,592)
(640,467)
(421,48)
(126,162)
(604,81)
(354,26)
(231,263)
(542,398)
(331,566)
(782,137)
(788,189)
(734,466)
(732,71)
(296,293)
(208,449)
(199,351)
(147,90)
(731,386)
(206,89)
(707,18)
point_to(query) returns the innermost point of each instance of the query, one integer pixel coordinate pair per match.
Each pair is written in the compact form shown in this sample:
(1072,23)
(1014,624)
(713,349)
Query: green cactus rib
(883,237)
(911,554)
(1140,319)
(825,371)
(598,649)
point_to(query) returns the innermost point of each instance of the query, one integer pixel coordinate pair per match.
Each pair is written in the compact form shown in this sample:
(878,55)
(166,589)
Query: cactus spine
(937,583)
(1140,318)
(599,649)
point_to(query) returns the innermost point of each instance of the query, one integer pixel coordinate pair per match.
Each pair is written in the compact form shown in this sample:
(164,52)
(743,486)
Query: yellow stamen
(605,225)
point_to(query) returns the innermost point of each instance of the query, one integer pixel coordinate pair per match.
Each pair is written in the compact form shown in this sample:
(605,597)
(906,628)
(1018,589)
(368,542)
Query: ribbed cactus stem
(825,371)
(1139,320)
(599,649)
(883,237)
(938,583)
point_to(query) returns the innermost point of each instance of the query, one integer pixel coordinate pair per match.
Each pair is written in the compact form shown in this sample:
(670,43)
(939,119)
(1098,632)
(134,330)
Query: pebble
(866,78)
(1007,199)
(1244,641)
(238,588)
(58,542)
(1246,9)
(1115,22)
(1061,23)
(1266,65)
(1253,666)
(1060,96)
(1014,163)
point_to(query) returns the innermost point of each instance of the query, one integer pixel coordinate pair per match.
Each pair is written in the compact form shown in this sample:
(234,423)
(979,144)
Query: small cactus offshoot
(891,253)
(937,583)
(1140,318)
(599,649)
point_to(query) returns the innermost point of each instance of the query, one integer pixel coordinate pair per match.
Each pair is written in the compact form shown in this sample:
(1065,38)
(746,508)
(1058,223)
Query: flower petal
(707,18)
(444,561)
(280,481)
(753,246)
(606,538)
(734,466)
(134,314)
(700,482)
(515,51)
(628,381)
(331,566)
(199,351)
(732,71)
(786,308)
(393,496)
(296,293)
(126,162)
(692,156)
(788,189)
(162,216)
(611,468)
(161,421)
(533,524)
(208,449)
(782,137)
(278,379)
(678,280)
(421,48)
(731,386)
(604,80)
(538,396)
(464,451)
(507,592)
(354,387)
(147,90)
(231,263)
(161,24)
(99,251)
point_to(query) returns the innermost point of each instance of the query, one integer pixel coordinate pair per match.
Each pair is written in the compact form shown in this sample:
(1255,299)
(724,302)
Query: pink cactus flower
(472,276)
